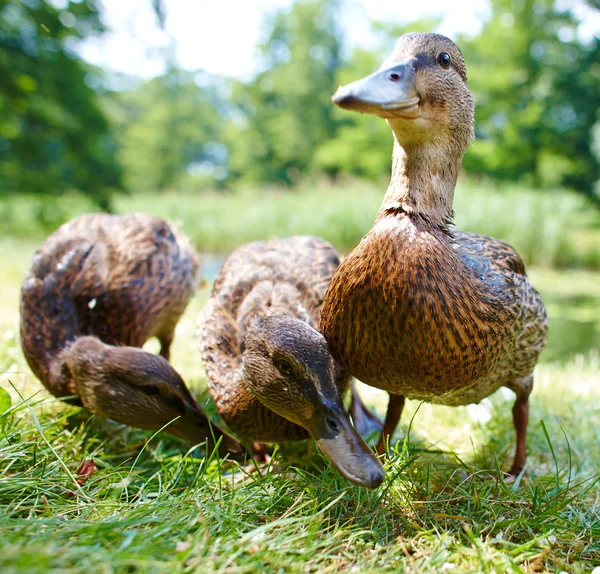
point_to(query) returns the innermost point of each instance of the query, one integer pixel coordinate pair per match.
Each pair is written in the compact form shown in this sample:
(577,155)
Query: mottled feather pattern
(455,320)
(288,276)
(420,309)
(92,277)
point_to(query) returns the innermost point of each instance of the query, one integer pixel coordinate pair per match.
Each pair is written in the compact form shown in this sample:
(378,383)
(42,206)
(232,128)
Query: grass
(549,229)
(154,506)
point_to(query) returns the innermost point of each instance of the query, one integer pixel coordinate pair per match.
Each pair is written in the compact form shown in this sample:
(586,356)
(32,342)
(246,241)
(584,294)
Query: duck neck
(423,180)
(80,362)
(65,367)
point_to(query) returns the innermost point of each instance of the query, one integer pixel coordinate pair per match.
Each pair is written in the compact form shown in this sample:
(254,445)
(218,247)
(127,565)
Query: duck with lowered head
(418,308)
(269,370)
(96,290)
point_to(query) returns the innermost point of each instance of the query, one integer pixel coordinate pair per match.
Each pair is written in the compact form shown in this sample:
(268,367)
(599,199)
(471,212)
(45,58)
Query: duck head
(288,368)
(421,90)
(139,389)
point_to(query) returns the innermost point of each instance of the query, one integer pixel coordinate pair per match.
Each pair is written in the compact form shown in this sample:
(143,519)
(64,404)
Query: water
(574,325)
(211,264)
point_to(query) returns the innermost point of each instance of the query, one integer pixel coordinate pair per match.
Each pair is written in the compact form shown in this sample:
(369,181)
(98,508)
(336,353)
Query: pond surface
(211,264)
(572,299)
(574,325)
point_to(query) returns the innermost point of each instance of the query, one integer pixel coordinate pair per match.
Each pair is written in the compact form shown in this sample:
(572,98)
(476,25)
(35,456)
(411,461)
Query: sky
(220,36)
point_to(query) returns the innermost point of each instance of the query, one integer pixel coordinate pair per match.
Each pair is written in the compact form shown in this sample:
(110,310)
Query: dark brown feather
(122,279)
(288,276)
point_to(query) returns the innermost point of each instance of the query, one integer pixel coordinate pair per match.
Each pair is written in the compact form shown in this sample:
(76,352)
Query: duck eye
(283,366)
(150,389)
(444,60)
(177,404)
(333,424)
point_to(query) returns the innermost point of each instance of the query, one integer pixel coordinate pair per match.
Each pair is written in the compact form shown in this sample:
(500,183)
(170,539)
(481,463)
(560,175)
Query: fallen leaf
(85,470)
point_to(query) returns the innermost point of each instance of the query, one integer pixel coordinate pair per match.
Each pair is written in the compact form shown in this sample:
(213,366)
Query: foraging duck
(96,290)
(269,371)
(420,309)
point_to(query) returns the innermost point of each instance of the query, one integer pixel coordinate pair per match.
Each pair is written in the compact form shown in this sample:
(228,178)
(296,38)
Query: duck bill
(388,93)
(346,449)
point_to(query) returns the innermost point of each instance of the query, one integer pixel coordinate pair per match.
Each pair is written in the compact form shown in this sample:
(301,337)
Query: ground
(149,505)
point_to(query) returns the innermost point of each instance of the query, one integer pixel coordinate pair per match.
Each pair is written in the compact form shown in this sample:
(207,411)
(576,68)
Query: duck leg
(520,411)
(260,457)
(165,345)
(260,453)
(364,420)
(392,417)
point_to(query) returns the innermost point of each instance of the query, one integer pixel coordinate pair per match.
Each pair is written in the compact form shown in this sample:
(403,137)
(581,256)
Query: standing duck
(420,309)
(269,371)
(97,289)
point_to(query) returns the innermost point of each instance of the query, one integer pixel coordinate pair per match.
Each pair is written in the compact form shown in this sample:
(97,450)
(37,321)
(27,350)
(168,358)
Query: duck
(96,290)
(420,309)
(268,368)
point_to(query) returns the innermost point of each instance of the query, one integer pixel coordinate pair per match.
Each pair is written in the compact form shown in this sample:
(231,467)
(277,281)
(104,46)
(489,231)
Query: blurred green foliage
(537,88)
(551,229)
(168,127)
(285,113)
(536,85)
(54,136)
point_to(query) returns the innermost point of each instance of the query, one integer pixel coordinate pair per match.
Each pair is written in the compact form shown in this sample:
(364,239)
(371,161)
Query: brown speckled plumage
(268,367)
(419,309)
(288,276)
(434,319)
(97,289)
(122,279)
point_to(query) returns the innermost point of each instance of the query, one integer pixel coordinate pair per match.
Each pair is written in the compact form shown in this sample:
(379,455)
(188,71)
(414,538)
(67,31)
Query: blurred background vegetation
(238,160)
(263,154)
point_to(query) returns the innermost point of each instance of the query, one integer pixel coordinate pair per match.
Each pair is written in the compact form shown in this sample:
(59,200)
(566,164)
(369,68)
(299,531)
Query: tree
(536,94)
(54,137)
(168,127)
(285,112)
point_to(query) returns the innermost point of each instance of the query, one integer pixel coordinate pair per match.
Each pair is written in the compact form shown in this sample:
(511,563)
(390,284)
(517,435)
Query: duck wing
(154,272)
(502,270)
(49,315)
(285,275)
(137,279)
(501,256)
